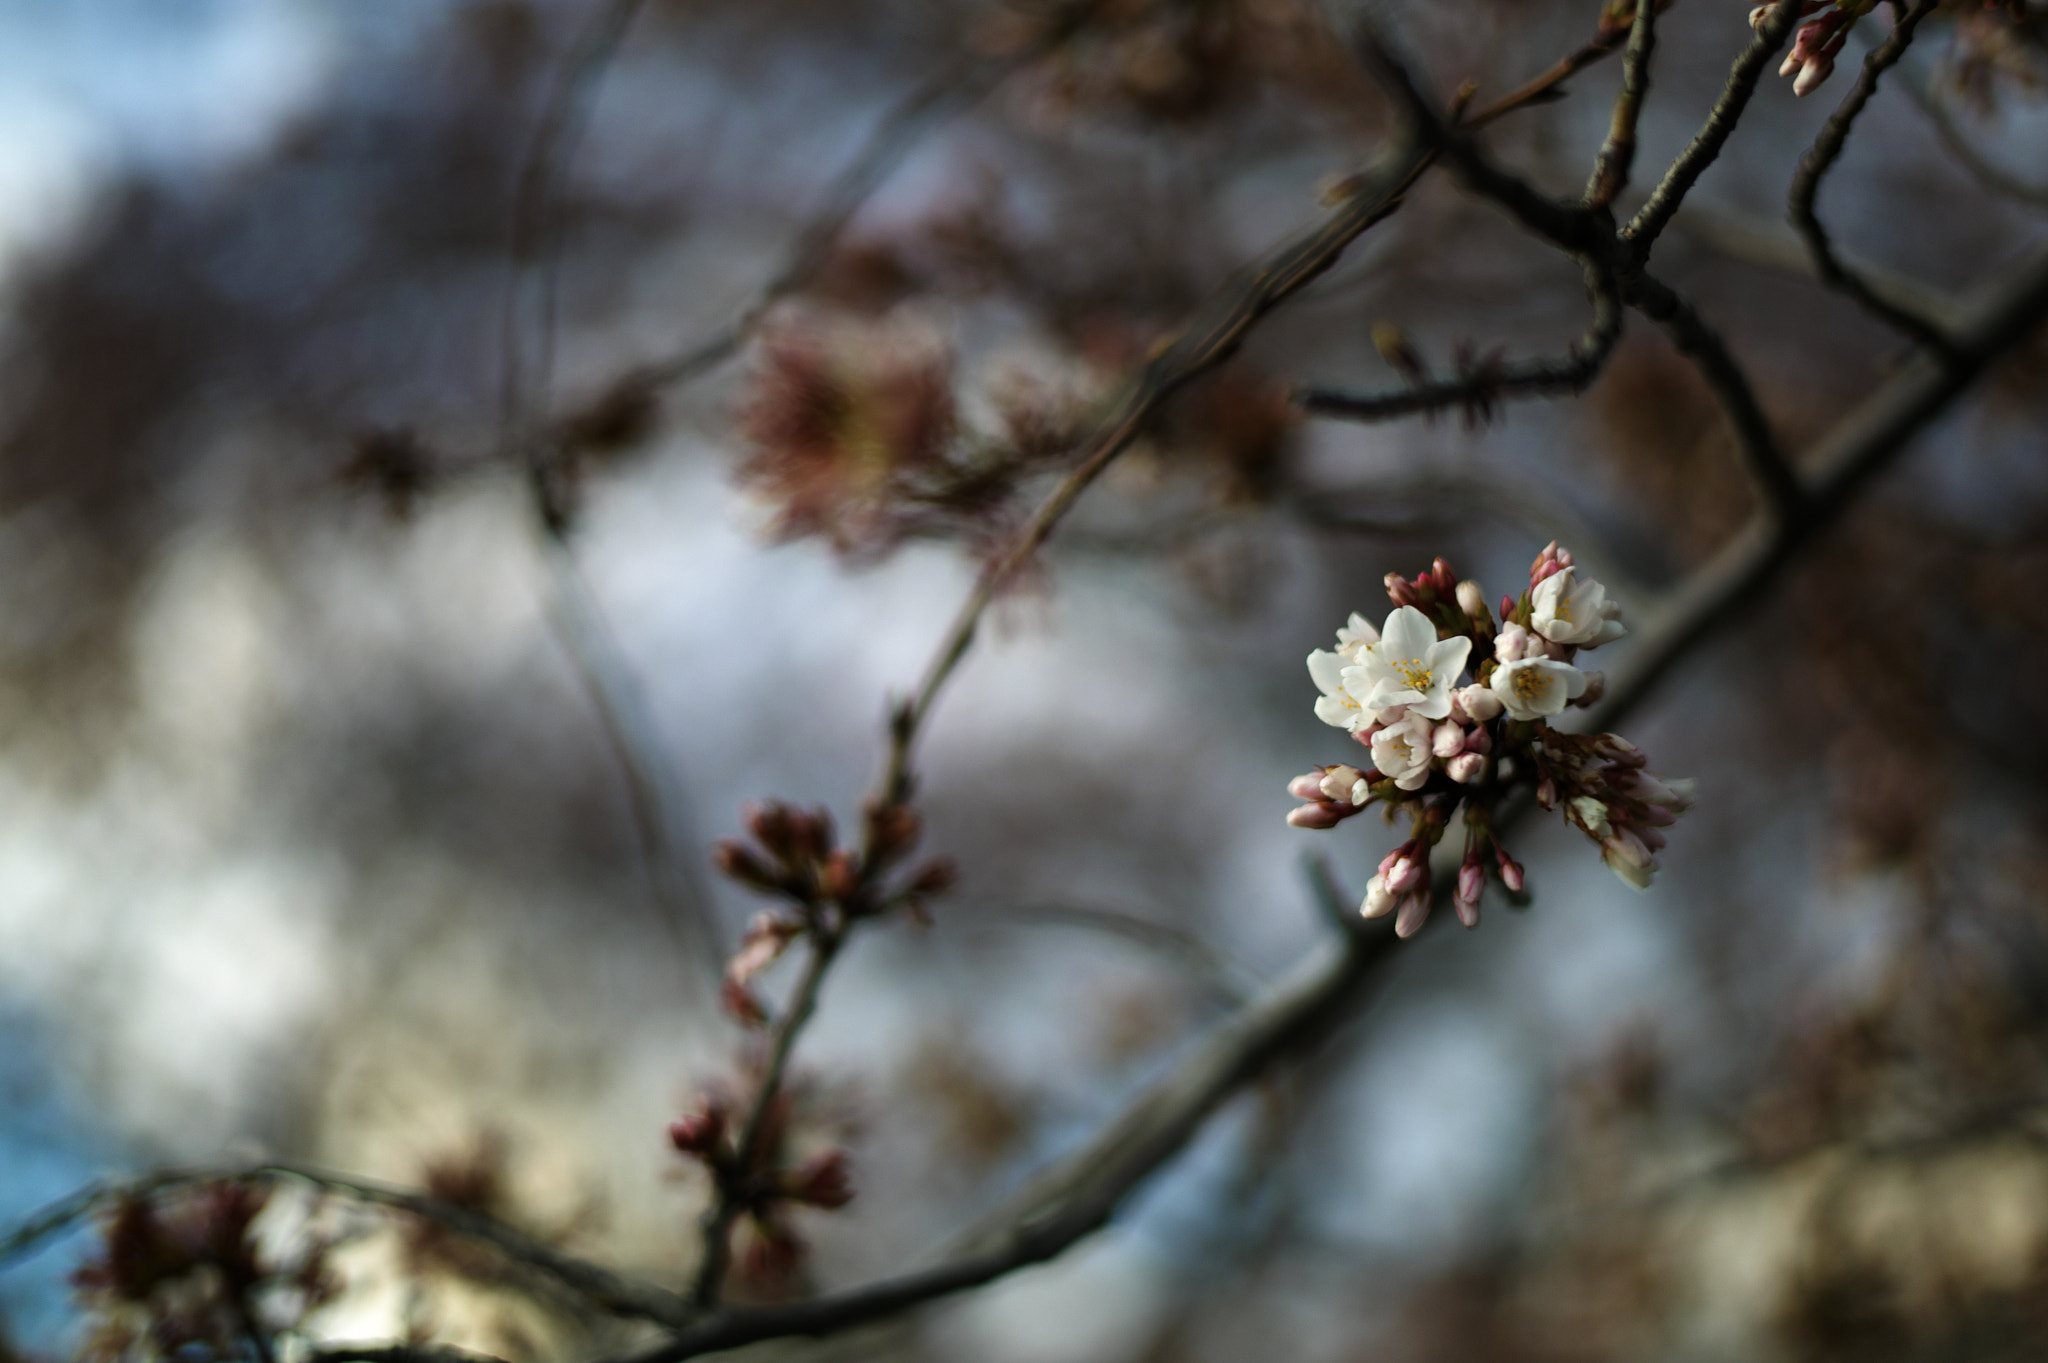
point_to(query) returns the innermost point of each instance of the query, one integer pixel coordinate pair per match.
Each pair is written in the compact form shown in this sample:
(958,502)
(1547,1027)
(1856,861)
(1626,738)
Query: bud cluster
(763,1183)
(1440,743)
(795,856)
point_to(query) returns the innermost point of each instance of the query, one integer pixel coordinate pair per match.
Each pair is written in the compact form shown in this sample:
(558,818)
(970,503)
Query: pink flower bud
(1446,580)
(1307,786)
(1507,606)
(1478,702)
(1480,739)
(1466,768)
(1511,644)
(1414,913)
(1447,740)
(1510,869)
(1321,814)
(823,1180)
(1408,873)
(1471,884)
(1398,590)
(699,1133)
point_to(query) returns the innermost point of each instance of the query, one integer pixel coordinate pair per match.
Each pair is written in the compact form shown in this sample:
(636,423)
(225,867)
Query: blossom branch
(1610,169)
(1821,157)
(1643,230)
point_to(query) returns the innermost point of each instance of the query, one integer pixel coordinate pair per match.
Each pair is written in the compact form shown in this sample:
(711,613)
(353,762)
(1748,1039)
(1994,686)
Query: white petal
(1408,636)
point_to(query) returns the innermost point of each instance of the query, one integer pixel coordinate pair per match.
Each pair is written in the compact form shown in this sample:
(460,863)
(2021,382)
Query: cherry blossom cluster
(1819,39)
(1441,743)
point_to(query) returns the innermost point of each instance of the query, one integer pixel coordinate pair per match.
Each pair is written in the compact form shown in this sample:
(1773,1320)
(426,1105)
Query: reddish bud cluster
(795,856)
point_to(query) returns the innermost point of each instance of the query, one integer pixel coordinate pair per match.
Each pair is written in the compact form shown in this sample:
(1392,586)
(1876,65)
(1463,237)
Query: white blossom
(1568,611)
(1531,688)
(1401,751)
(1336,706)
(1347,784)
(1628,858)
(1356,638)
(1409,667)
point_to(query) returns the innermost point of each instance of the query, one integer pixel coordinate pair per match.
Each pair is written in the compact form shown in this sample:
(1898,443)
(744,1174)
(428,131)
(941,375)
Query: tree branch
(1699,342)
(1821,157)
(1994,178)
(1643,230)
(1610,169)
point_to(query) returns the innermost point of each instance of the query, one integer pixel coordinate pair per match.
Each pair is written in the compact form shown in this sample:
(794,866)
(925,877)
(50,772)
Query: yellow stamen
(1414,675)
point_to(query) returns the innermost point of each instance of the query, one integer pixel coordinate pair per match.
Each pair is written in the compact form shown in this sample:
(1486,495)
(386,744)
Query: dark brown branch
(1771,246)
(1618,153)
(1821,157)
(593,1283)
(397,1353)
(1700,343)
(1572,372)
(1706,144)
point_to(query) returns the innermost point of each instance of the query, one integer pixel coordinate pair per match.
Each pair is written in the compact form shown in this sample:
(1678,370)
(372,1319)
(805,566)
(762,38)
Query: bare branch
(1572,372)
(397,1353)
(1700,343)
(1546,87)
(1767,244)
(1643,230)
(1821,157)
(1610,170)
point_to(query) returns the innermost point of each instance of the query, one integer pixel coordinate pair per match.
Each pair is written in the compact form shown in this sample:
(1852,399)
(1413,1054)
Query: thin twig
(1571,372)
(1643,230)
(1700,343)
(594,1283)
(1820,158)
(1771,246)
(734,1179)
(1545,87)
(1210,339)
(397,1353)
(1618,153)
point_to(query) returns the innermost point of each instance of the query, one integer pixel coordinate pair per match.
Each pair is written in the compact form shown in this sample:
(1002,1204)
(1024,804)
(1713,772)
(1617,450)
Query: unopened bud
(769,822)
(841,876)
(1466,768)
(892,830)
(1447,740)
(1307,786)
(1471,884)
(736,860)
(1320,814)
(1398,590)
(1479,740)
(1406,873)
(1414,913)
(1377,902)
(823,1180)
(935,877)
(1511,644)
(1446,580)
(1478,702)
(1510,869)
(1472,601)
(699,1133)
(1596,687)
(740,1004)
